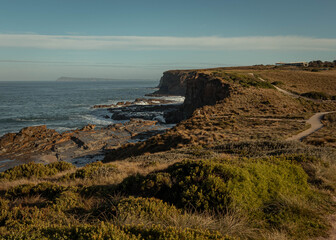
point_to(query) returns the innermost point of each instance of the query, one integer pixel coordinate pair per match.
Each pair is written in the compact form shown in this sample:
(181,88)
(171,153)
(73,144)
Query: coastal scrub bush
(277,83)
(222,185)
(93,170)
(110,231)
(316,95)
(247,81)
(162,233)
(144,209)
(35,170)
(286,212)
(46,189)
(85,231)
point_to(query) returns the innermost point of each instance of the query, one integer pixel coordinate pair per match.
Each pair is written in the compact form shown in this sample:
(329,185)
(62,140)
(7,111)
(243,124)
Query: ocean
(63,105)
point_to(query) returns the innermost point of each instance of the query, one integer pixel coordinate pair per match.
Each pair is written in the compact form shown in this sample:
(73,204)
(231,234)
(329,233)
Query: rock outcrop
(31,139)
(173,83)
(202,90)
(40,144)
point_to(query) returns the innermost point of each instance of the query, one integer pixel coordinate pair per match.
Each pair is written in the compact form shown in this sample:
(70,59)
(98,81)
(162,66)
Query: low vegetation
(227,172)
(213,198)
(33,170)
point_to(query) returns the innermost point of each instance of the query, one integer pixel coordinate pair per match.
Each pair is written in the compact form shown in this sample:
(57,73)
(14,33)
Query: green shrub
(316,95)
(35,170)
(286,212)
(148,209)
(45,189)
(247,81)
(158,232)
(93,170)
(84,232)
(221,185)
(67,200)
(109,231)
(277,83)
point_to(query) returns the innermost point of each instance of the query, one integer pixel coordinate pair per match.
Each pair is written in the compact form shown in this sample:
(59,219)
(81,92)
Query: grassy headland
(225,172)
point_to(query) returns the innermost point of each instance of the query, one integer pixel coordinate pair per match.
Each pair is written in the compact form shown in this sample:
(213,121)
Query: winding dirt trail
(316,124)
(314,121)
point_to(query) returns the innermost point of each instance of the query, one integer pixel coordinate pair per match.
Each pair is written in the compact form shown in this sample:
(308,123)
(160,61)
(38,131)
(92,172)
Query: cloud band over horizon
(70,42)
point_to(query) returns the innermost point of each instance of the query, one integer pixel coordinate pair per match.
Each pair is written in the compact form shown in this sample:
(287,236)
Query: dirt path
(316,124)
(314,121)
(286,92)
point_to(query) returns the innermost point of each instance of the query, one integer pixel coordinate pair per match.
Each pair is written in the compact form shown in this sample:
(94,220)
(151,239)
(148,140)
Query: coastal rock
(204,89)
(36,138)
(173,83)
(40,144)
(138,101)
(146,112)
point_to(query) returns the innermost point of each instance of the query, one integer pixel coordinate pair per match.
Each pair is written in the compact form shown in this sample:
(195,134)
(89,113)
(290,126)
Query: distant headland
(80,79)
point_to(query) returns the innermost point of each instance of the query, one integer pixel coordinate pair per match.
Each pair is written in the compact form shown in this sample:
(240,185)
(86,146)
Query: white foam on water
(160,119)
(177,99)
(96,120)
(141,103)
(63,129)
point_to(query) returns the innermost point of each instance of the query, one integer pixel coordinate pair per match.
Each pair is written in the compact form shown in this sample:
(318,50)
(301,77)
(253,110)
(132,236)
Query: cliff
(200,89)
(174,83)
(203,89)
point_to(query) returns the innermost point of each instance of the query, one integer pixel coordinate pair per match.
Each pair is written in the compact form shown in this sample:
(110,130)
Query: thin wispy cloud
(71,42)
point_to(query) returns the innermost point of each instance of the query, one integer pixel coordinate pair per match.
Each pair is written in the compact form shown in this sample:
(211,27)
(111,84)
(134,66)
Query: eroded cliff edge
(173,82)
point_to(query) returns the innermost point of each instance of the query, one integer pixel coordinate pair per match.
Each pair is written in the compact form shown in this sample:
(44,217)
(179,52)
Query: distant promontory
(71,79)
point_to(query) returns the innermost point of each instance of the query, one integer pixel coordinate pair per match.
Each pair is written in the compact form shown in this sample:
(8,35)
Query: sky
(47,39)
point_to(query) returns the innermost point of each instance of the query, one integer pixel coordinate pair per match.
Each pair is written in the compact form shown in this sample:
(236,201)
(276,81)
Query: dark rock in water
(138,101)
(148,112)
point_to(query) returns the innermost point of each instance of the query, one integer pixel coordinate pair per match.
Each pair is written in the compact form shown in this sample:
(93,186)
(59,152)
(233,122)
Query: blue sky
(44,39)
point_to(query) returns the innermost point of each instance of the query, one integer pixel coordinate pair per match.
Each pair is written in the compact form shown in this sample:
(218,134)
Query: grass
(225,173)
(208,199)
(301,81)
(323,137)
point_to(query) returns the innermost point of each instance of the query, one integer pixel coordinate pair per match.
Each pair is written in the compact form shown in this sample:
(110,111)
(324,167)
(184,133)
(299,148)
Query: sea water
(63,105)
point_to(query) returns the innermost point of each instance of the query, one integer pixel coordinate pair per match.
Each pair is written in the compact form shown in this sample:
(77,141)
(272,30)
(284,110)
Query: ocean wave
(97,120)
(174,98)
(63,129)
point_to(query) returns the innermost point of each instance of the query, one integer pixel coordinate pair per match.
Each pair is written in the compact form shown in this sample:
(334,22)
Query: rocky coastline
(40,144)
(139,120)
(143,118)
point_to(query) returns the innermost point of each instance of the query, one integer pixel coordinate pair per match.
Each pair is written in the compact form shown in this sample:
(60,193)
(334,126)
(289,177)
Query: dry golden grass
(325,136)
(124,169)
(303,81)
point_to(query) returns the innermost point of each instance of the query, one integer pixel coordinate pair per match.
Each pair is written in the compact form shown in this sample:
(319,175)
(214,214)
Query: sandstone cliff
(203,89)
(173,83)
(200,89)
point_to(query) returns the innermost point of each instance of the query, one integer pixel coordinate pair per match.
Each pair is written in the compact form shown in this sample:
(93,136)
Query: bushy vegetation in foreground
(203,199)
(35,170)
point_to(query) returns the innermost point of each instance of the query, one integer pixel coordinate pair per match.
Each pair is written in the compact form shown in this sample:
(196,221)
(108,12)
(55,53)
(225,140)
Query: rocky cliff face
(199,89)
(203,89)
(174,83)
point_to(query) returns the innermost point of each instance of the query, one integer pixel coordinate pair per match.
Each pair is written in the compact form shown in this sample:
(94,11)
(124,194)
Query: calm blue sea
(63,105)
